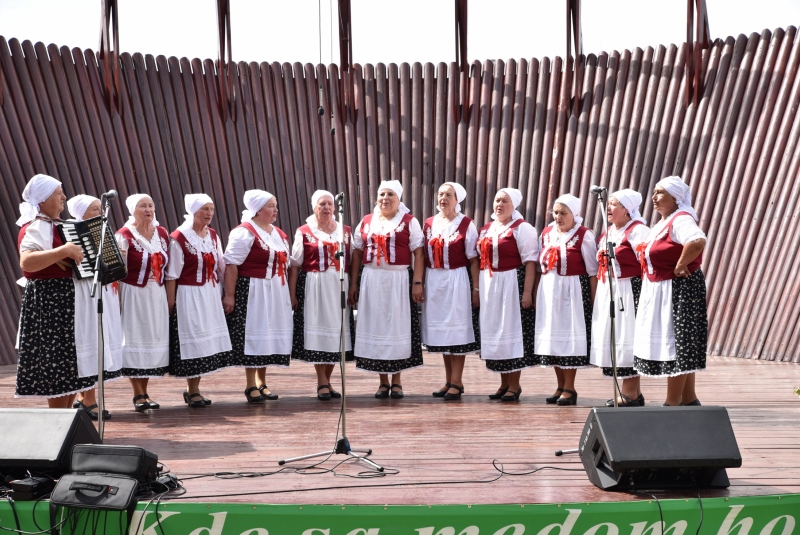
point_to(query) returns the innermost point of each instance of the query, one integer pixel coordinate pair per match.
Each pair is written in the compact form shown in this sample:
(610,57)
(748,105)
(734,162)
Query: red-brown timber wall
(738,148)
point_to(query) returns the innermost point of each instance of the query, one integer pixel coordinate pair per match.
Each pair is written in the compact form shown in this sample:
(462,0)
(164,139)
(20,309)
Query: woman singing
(387,241)
(257,300)
(199,341)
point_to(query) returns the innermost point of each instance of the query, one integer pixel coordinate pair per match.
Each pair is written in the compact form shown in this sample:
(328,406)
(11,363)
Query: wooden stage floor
(441,452)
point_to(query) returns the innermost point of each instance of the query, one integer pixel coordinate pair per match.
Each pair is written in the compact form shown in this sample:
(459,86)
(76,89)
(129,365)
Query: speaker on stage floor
(41,440)
(658,447)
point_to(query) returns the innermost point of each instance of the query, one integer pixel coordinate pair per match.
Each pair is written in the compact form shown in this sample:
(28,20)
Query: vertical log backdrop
(737,148)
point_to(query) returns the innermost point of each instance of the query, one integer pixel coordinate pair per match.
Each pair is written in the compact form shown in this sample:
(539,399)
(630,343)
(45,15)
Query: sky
(383,31)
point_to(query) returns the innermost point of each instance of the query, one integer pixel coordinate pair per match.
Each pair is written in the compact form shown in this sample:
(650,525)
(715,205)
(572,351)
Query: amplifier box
(131,461)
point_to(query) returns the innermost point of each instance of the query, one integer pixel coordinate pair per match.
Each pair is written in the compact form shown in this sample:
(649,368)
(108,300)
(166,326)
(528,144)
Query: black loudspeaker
(41,440)
(658,447)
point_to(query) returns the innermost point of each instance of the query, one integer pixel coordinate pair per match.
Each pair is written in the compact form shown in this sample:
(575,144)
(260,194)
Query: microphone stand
(342,445)
(99,269)
(611,274)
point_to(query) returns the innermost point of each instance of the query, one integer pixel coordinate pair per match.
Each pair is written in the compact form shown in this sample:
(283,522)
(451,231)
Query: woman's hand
(294,302)
(476,299)
(72,251)
(527,299)
(418,292)
(352,296)
(681,271)
(228,303)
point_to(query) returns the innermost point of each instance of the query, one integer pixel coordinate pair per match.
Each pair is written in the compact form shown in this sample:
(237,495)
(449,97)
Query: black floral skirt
(299,352)
(577,361)
(48,362)
(463,349)
(629,371)
(690,317)
(528,318)
(396,366)
(237,322)
(191,368)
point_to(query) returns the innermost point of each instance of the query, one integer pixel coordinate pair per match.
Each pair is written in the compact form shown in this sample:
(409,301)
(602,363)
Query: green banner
(761,515)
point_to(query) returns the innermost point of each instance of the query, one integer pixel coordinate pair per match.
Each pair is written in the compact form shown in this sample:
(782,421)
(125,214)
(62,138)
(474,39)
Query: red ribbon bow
(209,263)
(437,246)
(115,287)
(602,269)
(640,249)
(157,264)
(280,264)
(550,259)
(380,248)
(485,245)
(332,248)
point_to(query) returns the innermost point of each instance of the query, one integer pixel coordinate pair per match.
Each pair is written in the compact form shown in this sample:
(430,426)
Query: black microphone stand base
(342,448)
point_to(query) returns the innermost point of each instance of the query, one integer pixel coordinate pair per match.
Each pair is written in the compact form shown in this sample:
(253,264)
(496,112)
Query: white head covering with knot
(131,203)
(396,187)
(320,193)
(681,192)
(37,190)
(630,200)
(461,194)
(78,205)
(254,200)
(516,198)
(573,204)
(192,202)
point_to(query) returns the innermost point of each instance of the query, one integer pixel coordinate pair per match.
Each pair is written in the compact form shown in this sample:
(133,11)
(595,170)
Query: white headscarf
(681,192)
(320,193)
(573,204)
(630,200)
(461,194)
(192,202)
(37,190)
(131,203)
(254,200)
(516,197)
(78,205)
(396,187)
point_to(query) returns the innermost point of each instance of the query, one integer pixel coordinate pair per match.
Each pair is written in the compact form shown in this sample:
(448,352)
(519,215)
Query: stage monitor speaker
(658,447)
(41,440)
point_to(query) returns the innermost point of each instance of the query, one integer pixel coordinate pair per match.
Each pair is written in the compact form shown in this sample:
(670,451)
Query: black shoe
(397,394)
(552,400)
(326,396)
(640,399)
(186,397)
(334,393)
(77,404)
(452,397)
(90,411)
(695,403)
(254,399)
(381,393)
(270,396)
(441,393)
(513,397)
(194,400)
(572,400)
(626,401)
(140,407)
(154,405)
(499,394)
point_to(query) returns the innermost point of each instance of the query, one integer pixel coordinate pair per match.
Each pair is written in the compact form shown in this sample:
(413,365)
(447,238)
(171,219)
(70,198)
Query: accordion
(86,235)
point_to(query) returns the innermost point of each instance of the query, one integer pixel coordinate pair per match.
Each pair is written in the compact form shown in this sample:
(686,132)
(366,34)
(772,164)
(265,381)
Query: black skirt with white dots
(528,319)
(577,361)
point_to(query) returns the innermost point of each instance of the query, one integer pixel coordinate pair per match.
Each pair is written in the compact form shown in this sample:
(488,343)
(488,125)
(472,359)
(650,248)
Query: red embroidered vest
(392,247)
(553,258)
(450,253)
(263,262)
(506,252)
(625,256)
(198,267)
(664,253)
(141,263)
(53,271)
(319,255)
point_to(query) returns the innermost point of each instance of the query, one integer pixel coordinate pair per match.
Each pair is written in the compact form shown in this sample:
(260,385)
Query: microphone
(339,197)
(110,194)
(597,189)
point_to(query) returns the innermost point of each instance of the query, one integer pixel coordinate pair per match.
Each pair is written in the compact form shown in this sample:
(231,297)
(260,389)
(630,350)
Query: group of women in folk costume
(518,298)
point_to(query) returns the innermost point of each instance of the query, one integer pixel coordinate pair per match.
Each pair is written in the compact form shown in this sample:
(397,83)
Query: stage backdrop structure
(737,148)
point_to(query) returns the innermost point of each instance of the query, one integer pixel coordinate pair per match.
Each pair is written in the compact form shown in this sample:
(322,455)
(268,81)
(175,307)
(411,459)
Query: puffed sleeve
(471,240)
(416,238)
(685,230)
(38,237)
(527,242)
(122,243)
(637,235)
(358,241)
(240,242)
(296,258)
(221,260)
(175,265)
(589,253)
